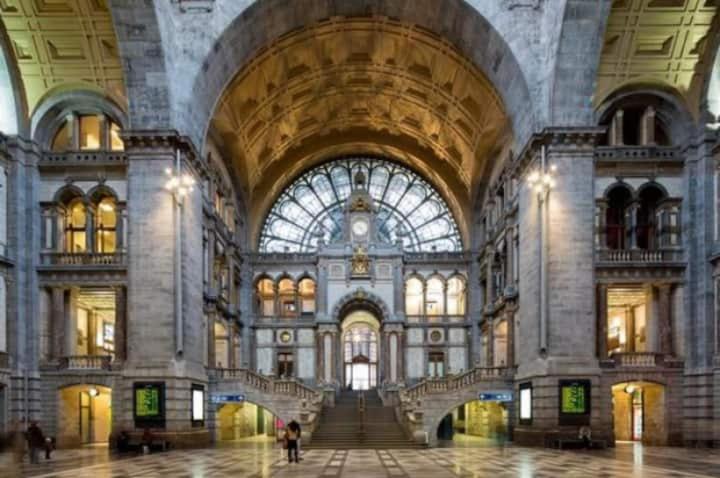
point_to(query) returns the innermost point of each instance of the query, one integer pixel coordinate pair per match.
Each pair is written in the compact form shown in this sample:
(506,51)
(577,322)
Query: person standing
(36,441)
(291,438)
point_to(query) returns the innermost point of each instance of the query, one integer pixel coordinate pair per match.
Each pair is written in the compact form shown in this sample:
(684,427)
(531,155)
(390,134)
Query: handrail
(456,382)
(266,384)
(82,258)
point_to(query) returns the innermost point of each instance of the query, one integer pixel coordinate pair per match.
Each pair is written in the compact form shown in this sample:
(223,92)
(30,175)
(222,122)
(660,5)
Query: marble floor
(263,460)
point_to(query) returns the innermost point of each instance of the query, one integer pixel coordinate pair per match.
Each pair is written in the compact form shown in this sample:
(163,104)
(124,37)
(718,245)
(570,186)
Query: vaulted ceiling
(657,42)
(355,81)
(64,44)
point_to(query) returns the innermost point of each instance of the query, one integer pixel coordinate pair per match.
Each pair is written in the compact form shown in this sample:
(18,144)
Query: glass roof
(312,207)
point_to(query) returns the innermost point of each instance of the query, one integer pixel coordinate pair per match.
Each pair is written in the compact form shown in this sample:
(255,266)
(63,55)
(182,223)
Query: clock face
(360,227)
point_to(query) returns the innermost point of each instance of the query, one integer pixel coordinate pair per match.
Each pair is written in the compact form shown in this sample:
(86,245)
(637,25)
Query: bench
(136,442)
(576,443)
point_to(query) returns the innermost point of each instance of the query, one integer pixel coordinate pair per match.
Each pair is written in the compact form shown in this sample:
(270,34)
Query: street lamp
(179,185)
(542,181)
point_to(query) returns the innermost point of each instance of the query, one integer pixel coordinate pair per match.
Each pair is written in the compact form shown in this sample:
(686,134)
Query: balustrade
(639,255)
(267,384)
(455,382)
(82,259)
(85,362)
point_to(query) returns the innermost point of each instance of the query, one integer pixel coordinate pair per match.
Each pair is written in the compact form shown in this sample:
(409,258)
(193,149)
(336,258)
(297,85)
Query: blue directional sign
(496,396)
(227,398)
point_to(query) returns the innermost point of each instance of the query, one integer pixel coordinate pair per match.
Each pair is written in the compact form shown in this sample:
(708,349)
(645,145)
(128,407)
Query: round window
(435,336)
(285,337)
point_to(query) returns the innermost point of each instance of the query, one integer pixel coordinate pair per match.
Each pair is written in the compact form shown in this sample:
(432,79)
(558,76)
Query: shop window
(413,297)
(285,365)
(456,296)
(90,132)
(626,320)
(435,297)
(288,300)
(306,289)
(63,137)
(106,226)
(75,228)
(116,143)
(266,297)
(222,357)
(436,364)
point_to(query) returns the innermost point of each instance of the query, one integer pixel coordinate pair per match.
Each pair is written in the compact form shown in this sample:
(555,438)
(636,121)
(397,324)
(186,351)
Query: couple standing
(291,440)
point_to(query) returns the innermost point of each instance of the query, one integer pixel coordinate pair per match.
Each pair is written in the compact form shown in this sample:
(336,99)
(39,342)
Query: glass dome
(313,207)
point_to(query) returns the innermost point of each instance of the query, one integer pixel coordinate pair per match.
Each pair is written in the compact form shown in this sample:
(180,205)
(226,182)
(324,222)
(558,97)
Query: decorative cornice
(152,142)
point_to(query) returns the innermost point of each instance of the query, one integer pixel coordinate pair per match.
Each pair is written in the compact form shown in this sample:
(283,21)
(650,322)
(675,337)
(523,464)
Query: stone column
(120,324)
(212,363)
(631,221)
(629,329)
(510,321)
(491,342)
(602,321)
(647,127)
(321,306)
(665,319)
(231,346)
(57,343)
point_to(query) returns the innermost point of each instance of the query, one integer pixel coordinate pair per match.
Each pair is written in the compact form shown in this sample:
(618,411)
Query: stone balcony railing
(640,360)
(270,385)
(436,319)
(85,362)
(641,256)
(638,153)
(82,259)
(455,382)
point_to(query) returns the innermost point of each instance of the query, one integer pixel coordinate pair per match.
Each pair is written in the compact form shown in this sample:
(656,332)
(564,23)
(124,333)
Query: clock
(360,227)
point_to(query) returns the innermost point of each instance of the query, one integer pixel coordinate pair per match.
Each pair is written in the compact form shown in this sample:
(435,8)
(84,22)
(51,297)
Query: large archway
(360,350)
(84,415)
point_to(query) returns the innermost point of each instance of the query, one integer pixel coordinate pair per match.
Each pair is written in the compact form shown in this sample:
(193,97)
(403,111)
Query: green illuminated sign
(147,402)
(574,398)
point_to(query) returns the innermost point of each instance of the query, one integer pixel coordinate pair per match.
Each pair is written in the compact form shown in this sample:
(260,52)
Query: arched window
(413,297)
(75,228)
(288,299)
(266,297)
(617,228)
(106,226)
(435,297)
(456,296)
(306,290)
(648,232)
(87,132)
(312,207)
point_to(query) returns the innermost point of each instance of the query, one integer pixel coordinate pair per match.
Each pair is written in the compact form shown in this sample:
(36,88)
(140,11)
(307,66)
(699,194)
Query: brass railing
(82,259)
(456,382)
(85,362)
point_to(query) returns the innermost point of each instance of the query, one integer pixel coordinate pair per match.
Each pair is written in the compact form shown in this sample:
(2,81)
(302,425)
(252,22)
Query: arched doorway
(475,423)
(360,339)
(84,415)
(639,412)
(246,422)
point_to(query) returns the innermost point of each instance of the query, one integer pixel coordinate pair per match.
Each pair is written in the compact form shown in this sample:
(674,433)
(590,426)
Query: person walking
(36,441)
(291,439)
(296,426)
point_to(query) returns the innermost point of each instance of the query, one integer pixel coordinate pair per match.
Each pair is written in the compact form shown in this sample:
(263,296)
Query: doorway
(85,415)
(638,413)
(360,350)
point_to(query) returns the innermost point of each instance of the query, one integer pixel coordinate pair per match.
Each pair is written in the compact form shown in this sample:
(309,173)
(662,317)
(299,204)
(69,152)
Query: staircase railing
(455,382)
(287,387)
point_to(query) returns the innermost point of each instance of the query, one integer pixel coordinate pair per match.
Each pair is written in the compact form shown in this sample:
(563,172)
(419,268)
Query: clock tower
(359,214)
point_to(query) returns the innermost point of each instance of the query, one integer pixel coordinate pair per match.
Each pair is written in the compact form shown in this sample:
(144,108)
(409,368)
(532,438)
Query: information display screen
(149,404)
(575,405)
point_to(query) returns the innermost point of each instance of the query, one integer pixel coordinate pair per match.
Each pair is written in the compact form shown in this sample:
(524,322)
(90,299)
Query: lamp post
(179,185)
(542,181)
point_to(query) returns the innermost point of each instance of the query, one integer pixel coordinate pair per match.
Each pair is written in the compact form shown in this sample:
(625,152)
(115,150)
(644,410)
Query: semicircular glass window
(312,208)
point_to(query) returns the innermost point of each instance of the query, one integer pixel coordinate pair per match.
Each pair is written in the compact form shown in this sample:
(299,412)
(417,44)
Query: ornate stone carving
(360,262)
(360,204)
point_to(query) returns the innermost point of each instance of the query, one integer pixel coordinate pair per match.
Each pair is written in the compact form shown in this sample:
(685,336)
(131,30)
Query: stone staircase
(342,426)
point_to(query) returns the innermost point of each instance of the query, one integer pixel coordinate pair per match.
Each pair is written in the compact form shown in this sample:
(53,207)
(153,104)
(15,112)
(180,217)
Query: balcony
(641,256)
(436,319)
(82,259)
(85,362)
(635,360)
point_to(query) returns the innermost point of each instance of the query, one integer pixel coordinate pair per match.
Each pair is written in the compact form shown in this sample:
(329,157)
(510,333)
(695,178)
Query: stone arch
(101,191)
(458,22)
(619,184)
(12,90)
(652,184)
(68,193)
(361,299)
(57,104)
(671,108)
(434,411)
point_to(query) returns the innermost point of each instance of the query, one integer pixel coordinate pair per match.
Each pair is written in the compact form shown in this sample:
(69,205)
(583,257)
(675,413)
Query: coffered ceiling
(655,42)
(64,43)
(363,78)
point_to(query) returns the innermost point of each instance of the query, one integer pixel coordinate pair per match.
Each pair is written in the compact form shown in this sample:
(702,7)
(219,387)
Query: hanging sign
(227,398)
